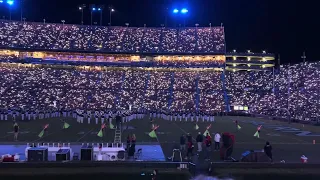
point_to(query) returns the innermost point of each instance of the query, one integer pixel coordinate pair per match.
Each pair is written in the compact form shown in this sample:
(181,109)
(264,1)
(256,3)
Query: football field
(289,141)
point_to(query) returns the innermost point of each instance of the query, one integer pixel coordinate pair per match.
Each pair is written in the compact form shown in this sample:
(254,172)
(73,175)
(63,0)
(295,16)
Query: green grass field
(287,145)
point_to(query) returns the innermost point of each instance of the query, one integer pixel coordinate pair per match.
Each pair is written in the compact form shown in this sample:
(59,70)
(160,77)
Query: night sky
(279,26)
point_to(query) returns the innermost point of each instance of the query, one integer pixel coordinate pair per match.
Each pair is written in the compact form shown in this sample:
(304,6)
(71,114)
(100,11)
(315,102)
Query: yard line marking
(44,136)
(85,135)
(12,134)
(283,134)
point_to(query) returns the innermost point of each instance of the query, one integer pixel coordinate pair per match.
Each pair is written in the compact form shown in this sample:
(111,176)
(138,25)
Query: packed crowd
(46,88)
(31,35)
(295,89)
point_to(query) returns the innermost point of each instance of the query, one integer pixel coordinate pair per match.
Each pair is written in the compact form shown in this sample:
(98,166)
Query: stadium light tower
(81,8)
(111,11)
(92,9)
(21,9)
(10,3)
(100,9)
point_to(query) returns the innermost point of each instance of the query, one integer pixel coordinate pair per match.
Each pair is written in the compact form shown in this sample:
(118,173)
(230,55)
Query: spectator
(189,137)
(128,142)
(268,150)
(182,143)
(16,131)
(217,138)
(199,141)
(189,150)
(208,143)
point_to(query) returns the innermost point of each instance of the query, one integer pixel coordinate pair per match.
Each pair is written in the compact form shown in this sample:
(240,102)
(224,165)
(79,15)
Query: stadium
(175,78)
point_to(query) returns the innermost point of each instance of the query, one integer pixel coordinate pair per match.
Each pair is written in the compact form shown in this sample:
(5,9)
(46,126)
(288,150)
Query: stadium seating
(295,87)
(158,89)
(40,36)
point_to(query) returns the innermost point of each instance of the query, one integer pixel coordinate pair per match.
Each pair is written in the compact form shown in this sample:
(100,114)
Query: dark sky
(279,26)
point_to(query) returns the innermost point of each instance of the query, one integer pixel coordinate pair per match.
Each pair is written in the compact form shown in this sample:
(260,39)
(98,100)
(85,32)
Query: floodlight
(184,11)
(10,2)
(175,11)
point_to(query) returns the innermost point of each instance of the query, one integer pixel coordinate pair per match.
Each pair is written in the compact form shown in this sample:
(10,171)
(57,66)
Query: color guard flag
(206,132)
(66,125)
(153,134)
(239,127)
(256,134)
(100,133)
(42,132)
(258,129)
(111,125)
(196,127)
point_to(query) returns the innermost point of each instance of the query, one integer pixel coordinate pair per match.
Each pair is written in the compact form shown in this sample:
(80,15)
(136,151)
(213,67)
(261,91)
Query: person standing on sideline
(15,131)
(182,143)
(199,141)
(268,150)
(208,146)
(217,138)
(189,137)
(128,142)
(189,150)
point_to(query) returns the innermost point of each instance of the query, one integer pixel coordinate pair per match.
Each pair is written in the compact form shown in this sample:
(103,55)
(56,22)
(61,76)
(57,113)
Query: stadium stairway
(197,96)
(170,100)
(146,86)
(123,78)
(225,95)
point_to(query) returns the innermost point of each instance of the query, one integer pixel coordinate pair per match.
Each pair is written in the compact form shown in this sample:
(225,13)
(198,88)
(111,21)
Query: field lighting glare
(175,11)
(10,2)
(184,11)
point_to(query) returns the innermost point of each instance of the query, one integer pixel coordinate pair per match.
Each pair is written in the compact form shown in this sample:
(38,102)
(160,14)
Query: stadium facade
(169,69)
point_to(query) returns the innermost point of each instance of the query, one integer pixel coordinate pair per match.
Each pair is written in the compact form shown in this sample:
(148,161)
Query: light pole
(184,11)
(63,21)
(101,10)
(127,24)
(92,8)
(21,9)
(81,9)
(10,3)
(24,20)
(110,20)
(10,13)
(44,21)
